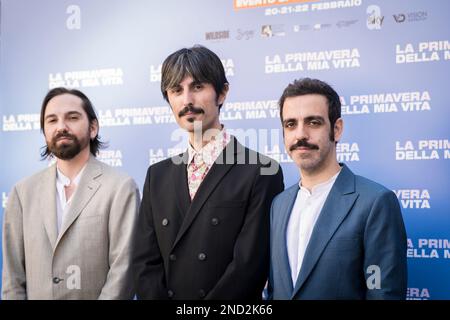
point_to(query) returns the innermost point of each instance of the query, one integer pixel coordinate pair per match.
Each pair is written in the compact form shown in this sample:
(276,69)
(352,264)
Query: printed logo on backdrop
(159,154)
(413,101)
(422,52)
(155,73)
(111,157)
(277,152)
(155,70)
(21,122)
(228,65)
(410,17)
(418,294)
(300,8)
(312,61)
(86,78)
(414,198)
(73,22)
(217,35)
(322,26)
(375,19)
(251,4)
(135,116)
(302,27)
(428,249)
(433,149)
(242,34)
(272,30)
(347,151)
(346,23)
(4,199)
(249,110)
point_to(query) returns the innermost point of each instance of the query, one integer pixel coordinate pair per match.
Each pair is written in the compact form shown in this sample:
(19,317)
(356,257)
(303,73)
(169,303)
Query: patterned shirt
(199,162)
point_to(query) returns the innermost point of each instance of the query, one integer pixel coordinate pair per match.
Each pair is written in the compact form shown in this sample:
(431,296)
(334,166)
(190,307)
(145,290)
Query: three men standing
(207,220)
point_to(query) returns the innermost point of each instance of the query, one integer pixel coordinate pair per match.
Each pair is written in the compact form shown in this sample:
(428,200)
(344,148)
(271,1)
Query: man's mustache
(63,134)
(303,143)
(190,108)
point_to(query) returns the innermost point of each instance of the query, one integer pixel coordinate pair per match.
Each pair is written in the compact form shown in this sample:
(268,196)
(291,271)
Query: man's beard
(68,150)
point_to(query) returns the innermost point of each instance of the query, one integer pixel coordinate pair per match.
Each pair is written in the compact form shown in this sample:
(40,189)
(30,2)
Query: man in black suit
(204,219)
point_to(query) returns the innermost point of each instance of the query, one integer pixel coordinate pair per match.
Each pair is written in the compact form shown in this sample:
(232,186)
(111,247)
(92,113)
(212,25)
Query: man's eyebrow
(309,118)
(50,115)
(73,112)
(289,119)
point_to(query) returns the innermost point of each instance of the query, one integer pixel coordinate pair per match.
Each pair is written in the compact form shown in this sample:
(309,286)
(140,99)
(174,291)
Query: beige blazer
(90,257)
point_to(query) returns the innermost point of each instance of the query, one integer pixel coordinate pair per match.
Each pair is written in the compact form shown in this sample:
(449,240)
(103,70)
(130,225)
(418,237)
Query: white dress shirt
(63,204)
(305,212)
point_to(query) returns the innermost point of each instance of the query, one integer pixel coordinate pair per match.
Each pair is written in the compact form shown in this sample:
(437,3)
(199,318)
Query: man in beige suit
(67,230)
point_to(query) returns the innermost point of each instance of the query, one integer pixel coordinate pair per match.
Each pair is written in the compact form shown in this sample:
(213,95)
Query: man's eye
(198,86)
(314,123)
(289,124)
(175,90)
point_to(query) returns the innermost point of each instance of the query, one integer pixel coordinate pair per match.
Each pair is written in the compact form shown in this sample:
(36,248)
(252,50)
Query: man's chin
(306,164)
(189,125)
(66,155)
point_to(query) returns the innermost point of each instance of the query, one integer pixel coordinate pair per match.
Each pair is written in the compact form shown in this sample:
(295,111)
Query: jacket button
(57,280)
(201,256)
(214,221)
(201,293)
(170,294)
(172,257)
(165,222)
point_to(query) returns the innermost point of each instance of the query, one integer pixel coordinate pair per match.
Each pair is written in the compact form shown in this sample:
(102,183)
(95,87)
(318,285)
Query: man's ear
(338,129)
(223,95)
(93,129)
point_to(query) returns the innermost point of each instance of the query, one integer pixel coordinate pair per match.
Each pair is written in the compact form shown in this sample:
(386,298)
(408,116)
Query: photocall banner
(388,60)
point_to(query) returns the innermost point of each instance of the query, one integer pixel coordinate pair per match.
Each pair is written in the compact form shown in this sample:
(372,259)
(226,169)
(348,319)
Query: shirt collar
(62,180)
(211,151)
(321,187)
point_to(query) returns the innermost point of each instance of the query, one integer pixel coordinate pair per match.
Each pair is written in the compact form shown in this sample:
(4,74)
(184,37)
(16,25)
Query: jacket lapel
(47,203)
(219,169)
(179,176)
(285,213)
(338,204)
(87,187)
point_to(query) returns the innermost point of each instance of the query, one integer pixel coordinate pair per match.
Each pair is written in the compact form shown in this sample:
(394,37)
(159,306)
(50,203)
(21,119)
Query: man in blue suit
(334,235)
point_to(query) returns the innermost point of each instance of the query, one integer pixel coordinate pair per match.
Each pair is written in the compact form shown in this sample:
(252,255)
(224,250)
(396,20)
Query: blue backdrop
(389,60)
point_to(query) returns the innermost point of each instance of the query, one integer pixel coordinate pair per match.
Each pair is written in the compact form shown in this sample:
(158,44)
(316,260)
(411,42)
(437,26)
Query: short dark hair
(200,63)
(95,144)
(305,86)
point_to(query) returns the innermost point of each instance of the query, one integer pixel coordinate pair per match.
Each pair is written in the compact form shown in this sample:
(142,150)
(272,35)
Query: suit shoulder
(113,173)
(167,163)
(286,194)
(366,186)
(31,181)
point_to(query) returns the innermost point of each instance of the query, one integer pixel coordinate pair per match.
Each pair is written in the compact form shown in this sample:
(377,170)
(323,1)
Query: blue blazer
(360,226)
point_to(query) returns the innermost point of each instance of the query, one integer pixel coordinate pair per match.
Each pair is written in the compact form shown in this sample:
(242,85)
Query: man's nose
(188,98)
(61,126)
(301,132)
